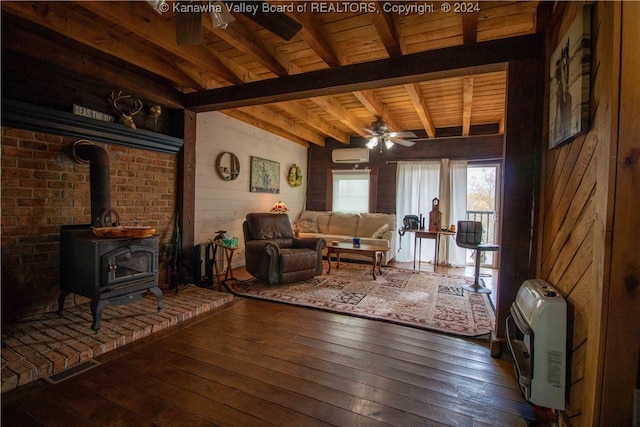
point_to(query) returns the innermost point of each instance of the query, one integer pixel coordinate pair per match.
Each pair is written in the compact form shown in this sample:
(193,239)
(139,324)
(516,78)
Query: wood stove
(109,271)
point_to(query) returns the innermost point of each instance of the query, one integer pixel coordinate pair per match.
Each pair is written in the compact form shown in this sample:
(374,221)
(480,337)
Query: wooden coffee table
(375,252)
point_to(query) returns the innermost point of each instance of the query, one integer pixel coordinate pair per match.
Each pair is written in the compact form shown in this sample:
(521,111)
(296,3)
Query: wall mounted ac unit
(350,155)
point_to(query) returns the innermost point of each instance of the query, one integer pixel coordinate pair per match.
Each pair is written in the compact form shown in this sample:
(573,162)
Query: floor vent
(71,372)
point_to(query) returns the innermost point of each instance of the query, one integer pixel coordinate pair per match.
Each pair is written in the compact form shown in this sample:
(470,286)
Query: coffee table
(375,252)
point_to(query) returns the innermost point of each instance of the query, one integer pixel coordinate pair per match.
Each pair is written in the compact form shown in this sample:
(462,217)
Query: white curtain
(417,184)
(458,208)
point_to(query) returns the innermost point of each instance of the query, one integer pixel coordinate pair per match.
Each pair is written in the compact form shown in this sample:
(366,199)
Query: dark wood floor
(258,363)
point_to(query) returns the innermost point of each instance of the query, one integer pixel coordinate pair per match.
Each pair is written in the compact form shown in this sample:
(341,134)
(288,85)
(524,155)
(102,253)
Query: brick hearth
(47,343)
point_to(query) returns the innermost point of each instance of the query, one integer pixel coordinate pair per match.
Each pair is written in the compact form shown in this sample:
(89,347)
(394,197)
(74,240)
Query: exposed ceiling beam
(268,115)
(66,20)
(415,94)
(133,17)
(338,111)
(448,62)
(296,109)
(467,104)
(23,41)
(317,41)
(386,29)
(469,27)
(261,124)
(242,39)
(368,99)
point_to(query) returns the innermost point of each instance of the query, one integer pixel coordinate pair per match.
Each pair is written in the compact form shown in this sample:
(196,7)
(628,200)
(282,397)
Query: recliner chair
(273,253)
(469,236)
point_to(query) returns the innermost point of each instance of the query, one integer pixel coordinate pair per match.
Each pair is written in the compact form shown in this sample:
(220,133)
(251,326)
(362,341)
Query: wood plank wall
(568,236)
(622,348)
(575,245)
(474,148)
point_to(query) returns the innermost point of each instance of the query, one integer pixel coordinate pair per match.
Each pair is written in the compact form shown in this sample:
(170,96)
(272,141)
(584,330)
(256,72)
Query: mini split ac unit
(350,155)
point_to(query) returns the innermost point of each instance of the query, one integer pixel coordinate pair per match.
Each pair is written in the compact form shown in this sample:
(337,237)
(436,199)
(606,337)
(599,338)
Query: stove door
(129,264)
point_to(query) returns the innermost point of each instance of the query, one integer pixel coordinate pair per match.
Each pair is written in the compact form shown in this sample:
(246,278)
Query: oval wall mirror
(228,166)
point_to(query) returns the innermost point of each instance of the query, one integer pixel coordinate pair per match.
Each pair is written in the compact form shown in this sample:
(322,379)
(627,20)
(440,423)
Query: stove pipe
(100,180)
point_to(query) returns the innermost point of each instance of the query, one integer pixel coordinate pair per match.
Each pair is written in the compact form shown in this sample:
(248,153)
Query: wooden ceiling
(334,38)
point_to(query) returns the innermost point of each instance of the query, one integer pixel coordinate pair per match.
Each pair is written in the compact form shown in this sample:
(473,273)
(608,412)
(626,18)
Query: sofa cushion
(380,231)
(321,218)
(307,225)
(343,223)
(370,223)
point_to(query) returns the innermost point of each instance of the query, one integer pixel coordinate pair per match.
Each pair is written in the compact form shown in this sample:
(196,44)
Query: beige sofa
(371,228)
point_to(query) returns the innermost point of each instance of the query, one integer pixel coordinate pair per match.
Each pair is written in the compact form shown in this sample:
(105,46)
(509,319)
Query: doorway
(483,199)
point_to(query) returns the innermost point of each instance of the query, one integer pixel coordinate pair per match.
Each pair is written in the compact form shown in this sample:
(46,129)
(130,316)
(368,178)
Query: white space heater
(537,340)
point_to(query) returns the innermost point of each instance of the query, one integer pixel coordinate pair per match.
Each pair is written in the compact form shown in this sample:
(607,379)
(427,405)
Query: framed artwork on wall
(265,176)
(569,86)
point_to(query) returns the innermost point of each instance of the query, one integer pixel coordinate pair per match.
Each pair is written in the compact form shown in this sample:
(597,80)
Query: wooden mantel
(22,115)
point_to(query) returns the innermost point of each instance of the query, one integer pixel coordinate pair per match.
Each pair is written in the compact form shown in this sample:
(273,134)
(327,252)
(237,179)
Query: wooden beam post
(520,177)
(186,191)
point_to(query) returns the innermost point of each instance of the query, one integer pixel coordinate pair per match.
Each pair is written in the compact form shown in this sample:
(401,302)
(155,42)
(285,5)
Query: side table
(228,252)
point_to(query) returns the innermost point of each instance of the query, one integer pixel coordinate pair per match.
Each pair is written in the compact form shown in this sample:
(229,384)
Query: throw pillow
(380,231)
(307,226)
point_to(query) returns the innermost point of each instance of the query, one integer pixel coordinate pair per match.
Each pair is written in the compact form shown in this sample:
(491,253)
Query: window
(350,190)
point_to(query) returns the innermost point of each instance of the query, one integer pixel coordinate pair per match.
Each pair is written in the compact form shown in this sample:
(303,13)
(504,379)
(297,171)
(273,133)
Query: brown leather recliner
(275,255)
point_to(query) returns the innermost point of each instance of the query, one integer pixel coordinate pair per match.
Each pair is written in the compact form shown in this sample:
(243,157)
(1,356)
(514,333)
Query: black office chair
(469,236)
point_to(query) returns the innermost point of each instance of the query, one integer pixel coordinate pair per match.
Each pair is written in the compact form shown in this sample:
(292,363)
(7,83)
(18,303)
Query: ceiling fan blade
(404,134)
(401,141)
(276,22)
(189,28)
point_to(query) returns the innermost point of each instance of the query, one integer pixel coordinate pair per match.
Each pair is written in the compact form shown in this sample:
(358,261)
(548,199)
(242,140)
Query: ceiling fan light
(220,16)
(373,142)
(388,144)
(159,6)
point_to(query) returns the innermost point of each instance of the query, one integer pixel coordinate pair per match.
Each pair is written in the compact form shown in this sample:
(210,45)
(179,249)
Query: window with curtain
(417,184)
(350,190)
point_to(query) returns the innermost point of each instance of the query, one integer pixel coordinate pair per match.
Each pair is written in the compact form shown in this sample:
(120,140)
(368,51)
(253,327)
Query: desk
(426,234)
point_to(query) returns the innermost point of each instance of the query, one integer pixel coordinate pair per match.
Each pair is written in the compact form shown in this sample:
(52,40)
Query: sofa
(372,228)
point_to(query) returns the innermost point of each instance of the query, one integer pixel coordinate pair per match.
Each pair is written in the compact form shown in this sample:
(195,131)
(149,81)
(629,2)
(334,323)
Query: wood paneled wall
(577,246)
(568,232)
(474,148)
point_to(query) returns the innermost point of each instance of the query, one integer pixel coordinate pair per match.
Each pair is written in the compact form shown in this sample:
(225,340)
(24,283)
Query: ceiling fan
(382,135)
(189,18)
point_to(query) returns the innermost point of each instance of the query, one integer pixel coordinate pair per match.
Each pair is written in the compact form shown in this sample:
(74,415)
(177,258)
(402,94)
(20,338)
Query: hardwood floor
(258,363)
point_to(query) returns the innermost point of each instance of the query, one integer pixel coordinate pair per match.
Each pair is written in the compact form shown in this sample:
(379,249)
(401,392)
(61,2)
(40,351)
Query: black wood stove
(110,271)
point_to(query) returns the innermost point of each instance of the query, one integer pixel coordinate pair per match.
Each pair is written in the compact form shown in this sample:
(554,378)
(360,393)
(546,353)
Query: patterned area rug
(420,299)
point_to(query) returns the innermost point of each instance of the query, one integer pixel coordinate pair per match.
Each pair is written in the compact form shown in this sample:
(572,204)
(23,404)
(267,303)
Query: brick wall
(43,188)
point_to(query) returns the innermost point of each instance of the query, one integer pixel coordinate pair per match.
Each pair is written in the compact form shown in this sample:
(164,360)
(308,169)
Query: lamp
(373,142)
(159,6)
(220,16)
(280,207)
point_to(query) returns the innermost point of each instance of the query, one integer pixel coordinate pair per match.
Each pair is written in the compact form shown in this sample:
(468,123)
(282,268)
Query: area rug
(423,300)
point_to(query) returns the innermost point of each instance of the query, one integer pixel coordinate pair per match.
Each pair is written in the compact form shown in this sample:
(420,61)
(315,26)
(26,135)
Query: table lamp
(280,207)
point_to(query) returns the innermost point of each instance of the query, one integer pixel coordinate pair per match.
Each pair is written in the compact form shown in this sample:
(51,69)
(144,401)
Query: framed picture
(265,176)
(569,81)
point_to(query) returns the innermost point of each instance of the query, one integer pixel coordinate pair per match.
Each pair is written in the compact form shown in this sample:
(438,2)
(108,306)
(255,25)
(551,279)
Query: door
(483,197)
